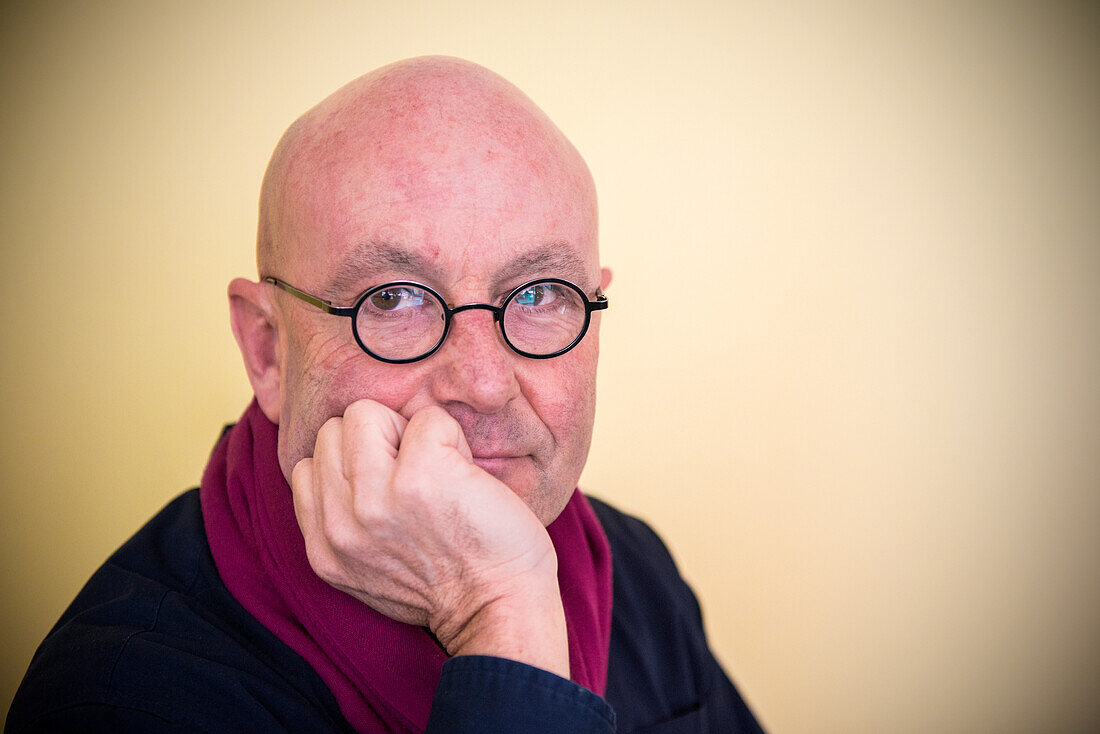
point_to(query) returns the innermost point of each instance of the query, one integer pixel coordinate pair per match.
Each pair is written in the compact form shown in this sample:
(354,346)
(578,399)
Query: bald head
(422,127)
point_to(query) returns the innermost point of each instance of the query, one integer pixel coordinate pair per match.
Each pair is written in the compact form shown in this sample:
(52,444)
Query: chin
(516,472)
(519,474)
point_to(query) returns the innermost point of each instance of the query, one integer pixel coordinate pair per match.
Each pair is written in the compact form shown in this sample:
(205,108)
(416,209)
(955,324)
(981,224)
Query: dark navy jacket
(156,643)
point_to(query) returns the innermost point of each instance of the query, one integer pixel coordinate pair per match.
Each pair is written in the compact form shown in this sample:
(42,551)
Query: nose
(474,366)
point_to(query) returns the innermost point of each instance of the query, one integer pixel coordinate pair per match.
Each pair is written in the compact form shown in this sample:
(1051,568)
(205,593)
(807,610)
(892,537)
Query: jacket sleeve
(99,717)
(488,694)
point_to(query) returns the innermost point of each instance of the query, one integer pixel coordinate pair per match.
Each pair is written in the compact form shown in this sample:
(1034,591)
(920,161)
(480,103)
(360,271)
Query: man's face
(473,220)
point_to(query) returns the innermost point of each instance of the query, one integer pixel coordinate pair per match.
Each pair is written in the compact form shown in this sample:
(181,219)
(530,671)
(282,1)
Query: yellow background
(851,369)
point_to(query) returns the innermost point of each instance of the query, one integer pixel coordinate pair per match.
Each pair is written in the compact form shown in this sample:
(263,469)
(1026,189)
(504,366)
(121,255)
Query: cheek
(324,375)
(563,395)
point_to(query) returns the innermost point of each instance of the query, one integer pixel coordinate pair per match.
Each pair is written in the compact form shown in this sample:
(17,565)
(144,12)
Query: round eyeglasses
(403,321)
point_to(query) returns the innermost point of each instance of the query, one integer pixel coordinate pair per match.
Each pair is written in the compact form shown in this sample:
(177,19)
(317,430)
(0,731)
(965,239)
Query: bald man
(391,537)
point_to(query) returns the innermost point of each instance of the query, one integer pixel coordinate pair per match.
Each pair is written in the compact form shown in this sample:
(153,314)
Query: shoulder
(643,567)
(662,676)
(632,536)
(154,641)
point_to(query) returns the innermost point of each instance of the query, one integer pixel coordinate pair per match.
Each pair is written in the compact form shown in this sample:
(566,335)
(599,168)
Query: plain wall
(851,369)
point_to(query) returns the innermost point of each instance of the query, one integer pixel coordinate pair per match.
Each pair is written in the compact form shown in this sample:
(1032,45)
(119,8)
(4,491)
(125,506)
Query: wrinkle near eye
(332,351)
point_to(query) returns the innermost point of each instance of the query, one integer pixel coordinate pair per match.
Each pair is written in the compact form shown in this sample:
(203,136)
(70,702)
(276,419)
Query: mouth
(499,464)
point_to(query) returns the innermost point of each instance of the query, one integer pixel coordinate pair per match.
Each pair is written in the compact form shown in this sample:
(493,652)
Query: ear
(605,278)
(256,327)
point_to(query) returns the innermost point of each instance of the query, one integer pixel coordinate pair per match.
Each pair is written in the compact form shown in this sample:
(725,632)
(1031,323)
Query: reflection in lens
(400,322)
(389,299)
(544,318)
(540,294)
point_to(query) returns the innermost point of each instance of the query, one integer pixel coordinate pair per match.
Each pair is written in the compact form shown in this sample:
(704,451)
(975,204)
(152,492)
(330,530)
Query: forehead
(464,208)
(373,262)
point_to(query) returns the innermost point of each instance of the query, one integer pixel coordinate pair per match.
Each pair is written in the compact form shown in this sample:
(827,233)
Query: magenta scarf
(383,673)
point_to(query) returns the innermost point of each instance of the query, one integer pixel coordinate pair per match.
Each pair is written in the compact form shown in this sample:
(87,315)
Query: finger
(328,458)
(311,481)
(332,491)
(305,504)
(306,510)
(432,434)
(372,436)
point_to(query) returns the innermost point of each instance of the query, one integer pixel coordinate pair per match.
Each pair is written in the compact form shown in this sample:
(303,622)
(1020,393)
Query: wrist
(525,625)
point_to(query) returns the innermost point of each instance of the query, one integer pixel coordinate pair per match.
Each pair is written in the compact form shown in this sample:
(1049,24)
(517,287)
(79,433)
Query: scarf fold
(383,673)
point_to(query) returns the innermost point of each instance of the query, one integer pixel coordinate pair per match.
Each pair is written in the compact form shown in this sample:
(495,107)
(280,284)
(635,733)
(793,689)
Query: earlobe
(256,328)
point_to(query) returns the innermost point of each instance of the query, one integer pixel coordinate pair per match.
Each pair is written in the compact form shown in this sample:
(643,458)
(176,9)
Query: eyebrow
(552,259)
(375,257)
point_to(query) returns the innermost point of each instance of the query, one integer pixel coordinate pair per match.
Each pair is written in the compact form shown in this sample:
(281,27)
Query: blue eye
(536,295)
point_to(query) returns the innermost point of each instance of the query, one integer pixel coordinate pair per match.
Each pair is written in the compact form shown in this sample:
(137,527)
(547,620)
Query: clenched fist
(396,514)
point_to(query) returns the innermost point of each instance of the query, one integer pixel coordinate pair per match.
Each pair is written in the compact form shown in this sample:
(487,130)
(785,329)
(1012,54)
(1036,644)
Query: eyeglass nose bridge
(448,314)
(498,311)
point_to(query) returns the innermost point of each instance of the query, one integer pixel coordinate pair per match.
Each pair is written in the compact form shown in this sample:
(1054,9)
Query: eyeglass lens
(403,322)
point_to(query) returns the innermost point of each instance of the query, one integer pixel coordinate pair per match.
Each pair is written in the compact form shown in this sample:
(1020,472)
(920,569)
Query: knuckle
(367,513)
(413,491)
(369,429)
(431,420)
(356,467)
(341,535)
(330,430)
(322,562)
(302,473)
(362,410)
(433,414)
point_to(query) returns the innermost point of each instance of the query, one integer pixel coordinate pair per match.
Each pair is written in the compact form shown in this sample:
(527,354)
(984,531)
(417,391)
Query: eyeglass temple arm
(597,305)
(325,306)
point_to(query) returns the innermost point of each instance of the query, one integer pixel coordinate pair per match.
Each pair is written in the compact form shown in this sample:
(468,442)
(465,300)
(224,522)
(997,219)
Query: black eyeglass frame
(598,304)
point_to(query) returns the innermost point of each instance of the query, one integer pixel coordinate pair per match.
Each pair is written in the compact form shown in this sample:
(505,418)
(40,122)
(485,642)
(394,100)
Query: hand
(396,514)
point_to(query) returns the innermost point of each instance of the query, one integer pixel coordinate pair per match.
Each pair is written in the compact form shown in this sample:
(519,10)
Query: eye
(539,294)
(391,299)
